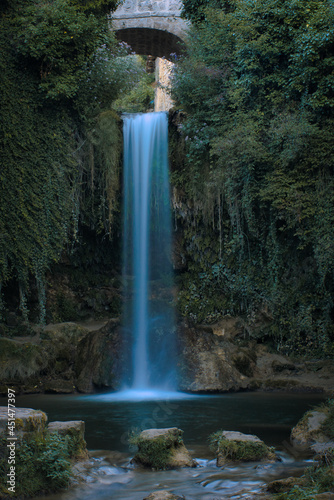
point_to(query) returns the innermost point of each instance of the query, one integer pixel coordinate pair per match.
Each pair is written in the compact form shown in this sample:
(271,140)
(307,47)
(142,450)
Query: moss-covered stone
(231,446)
(44,455)
(314,432)
(75,432)
(161,449)
(286,484)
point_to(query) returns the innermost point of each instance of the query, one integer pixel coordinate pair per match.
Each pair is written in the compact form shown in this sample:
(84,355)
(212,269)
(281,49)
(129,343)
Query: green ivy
(61,70)
(254,182)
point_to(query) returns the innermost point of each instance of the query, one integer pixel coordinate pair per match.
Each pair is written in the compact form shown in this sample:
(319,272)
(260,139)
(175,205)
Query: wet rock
(27,421)
(162,449)
(286,484)
(236,446)
(163,495)
(307,436)
(75,430)
(98,361)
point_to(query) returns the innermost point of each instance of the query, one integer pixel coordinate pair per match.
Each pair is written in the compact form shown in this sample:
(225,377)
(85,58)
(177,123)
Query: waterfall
(147,268)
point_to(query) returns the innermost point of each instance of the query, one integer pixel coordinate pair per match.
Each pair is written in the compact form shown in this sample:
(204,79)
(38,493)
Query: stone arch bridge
(151,27)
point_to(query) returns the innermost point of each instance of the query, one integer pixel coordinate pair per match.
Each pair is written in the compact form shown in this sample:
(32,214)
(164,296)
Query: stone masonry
(151,26)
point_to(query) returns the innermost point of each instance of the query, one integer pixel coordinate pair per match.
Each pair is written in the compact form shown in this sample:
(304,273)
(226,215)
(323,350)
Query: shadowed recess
(154,42)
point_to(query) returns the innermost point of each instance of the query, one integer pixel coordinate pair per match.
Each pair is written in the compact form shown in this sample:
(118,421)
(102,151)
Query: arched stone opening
(154,42)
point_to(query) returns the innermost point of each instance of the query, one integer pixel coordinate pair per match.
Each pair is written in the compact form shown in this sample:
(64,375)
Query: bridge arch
(151,27)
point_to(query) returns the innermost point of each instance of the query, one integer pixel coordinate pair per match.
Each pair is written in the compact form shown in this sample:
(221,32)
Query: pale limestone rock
(307,435)
(27,420)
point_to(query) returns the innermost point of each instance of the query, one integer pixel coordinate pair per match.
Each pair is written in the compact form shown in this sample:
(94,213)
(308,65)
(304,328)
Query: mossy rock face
(231,446)
(19,361)
(75,432)
(161,449)
(286,484)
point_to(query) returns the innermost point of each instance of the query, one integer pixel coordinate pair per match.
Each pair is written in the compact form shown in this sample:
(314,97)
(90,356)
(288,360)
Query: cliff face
(63,358)
(68,357)
(220,359)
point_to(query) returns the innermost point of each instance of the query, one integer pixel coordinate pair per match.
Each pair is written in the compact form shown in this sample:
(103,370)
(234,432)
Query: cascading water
(148,315)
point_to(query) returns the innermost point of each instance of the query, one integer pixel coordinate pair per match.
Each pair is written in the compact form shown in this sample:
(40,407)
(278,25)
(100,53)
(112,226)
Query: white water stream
(147,252)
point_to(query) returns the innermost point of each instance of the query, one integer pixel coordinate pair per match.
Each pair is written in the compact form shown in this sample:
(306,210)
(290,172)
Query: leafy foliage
(317,479)
(42,465)
(61,69)
(328,425)
(139,99)
(256,90)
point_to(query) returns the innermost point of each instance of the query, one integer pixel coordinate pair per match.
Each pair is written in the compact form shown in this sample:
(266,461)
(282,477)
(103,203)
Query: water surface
(108,420)
(110,417)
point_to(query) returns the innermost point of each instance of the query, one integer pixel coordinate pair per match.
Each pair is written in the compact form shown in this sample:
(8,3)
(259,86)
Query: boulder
(236,446)
(75,430)
(307,436)
(162,449)
(27,421)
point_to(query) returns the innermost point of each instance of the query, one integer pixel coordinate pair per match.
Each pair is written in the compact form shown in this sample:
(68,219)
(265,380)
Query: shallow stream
(109,420)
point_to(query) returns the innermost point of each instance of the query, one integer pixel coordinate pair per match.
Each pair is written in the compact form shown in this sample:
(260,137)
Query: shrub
(328,425)
(317,479)
(42,465)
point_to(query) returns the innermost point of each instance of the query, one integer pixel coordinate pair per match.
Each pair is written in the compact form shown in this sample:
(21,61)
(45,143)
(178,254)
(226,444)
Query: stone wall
(146,16)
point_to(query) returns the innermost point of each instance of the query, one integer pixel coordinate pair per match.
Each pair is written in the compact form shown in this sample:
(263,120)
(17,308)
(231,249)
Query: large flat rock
(26,420)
